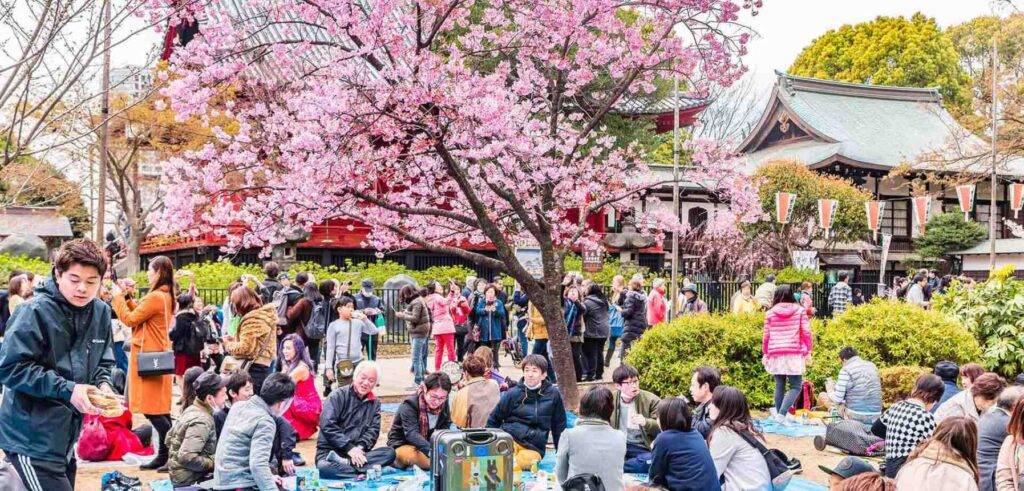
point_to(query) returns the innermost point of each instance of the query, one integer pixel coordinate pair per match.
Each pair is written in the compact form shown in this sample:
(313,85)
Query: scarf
(424,411)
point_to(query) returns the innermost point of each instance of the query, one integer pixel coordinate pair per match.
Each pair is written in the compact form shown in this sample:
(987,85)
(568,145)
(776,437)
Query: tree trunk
(546,296)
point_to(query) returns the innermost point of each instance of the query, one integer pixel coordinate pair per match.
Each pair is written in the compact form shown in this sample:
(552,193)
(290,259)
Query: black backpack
(780,467)
(200,333)
(316,327)
(583,482)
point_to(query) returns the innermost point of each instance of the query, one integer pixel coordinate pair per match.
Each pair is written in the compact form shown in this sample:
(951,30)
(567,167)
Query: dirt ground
(800,448)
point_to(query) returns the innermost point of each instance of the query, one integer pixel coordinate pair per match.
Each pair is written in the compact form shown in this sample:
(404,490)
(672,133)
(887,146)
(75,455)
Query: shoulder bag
(344,368)
(780,467)
(156,363)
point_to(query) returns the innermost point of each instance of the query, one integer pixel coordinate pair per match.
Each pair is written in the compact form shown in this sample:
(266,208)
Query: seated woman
(947,461)
(738,464)
(530,412)
(973,401)
(192,441)
(304,412)
(417,419)
(593,446)
(478,396)
(487,355)
(681,458)
(909,422)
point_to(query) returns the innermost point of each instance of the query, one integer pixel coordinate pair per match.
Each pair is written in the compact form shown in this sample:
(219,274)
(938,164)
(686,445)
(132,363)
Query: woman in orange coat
(150,320)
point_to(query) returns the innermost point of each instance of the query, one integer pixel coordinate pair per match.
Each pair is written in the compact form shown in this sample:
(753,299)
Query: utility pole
(674,290)
(992,191)
(101,208)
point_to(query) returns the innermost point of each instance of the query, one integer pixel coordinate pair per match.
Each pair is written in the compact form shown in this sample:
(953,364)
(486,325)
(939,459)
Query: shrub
(898,382)
(10,263)
(888,334)
(892,334)
(994,312)
(791,275)
(667,354)
(218,275)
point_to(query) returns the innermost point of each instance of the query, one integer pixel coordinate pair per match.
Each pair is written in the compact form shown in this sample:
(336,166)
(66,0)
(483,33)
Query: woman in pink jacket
(787,347)
(443,326)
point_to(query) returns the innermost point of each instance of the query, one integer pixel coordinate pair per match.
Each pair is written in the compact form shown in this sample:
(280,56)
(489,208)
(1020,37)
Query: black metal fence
(716,294)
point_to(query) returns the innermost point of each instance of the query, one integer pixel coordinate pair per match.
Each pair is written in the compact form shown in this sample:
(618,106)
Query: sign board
(529,257)
(593,260)
(805,260)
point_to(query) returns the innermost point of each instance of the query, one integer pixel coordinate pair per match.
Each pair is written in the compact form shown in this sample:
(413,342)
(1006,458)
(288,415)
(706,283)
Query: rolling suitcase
(472,460)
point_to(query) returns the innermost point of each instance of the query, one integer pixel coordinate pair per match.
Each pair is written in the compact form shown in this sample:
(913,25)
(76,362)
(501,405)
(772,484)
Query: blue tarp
(769,425)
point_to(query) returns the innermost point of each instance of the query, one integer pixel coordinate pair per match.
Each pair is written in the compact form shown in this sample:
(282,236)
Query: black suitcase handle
(479,437)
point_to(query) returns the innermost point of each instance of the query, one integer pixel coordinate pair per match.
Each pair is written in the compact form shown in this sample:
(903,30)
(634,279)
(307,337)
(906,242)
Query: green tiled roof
(868,124)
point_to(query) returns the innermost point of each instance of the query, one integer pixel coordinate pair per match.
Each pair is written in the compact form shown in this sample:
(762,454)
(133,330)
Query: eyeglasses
(439,398)
(630,382)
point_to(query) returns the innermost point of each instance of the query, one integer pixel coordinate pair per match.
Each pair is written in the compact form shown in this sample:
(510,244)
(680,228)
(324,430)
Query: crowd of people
(247,373)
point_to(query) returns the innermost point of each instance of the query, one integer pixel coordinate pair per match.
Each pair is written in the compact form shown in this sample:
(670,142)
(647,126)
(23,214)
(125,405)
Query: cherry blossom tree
(442,124)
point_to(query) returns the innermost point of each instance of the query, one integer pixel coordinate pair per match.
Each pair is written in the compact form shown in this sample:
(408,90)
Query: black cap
(208,384)
(947,370)
(849,467)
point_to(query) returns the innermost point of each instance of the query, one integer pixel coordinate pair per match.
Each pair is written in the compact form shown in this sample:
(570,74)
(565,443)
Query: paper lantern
(922,210)
(965,196)
(874,210)
(827,214)
(784,206)
(1016,197)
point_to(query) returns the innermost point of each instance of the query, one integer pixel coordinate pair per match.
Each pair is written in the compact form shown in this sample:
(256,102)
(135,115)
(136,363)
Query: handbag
(780,467)
(9,478)
(156,363)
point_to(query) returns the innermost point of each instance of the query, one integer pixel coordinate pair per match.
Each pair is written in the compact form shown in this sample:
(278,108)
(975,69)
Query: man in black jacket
(57,349)
(349,427)
(417,419)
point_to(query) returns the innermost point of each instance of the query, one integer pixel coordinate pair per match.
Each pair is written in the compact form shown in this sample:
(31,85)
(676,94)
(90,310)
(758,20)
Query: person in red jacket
(787,347)
(657,308)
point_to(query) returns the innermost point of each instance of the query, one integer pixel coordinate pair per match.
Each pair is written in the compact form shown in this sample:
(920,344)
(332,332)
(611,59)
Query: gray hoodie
(244,447)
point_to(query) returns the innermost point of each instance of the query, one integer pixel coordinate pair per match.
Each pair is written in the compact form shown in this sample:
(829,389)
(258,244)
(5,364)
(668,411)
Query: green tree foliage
(973,43)
(994,312)
(891,51)
(793,177)
(28,181)
(948,232)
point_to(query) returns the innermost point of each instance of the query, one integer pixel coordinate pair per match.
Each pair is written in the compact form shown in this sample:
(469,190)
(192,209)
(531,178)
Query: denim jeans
(522,340)
(638,459)
(419,358)
(783,399)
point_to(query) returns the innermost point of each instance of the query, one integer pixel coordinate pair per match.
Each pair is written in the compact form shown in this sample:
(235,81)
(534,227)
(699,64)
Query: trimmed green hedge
(667,354)
(10,263)
(888,334)
(893,334)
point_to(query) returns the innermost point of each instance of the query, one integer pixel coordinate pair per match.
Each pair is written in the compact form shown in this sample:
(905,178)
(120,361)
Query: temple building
(862,132)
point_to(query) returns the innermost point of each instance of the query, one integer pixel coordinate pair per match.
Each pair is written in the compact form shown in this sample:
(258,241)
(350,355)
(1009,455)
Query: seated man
(239,388)
(349,427)
(636,415)
(243,450)
(847,468)
(857,392)
(417,419)
(530,411)
(992,433)
(705,379)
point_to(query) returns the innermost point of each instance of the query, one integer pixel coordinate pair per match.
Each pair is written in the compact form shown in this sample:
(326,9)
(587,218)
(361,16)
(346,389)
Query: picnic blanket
(769,425)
